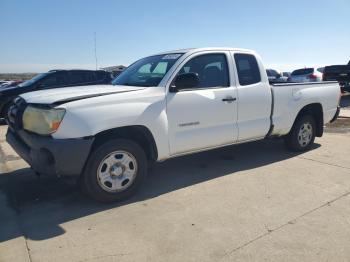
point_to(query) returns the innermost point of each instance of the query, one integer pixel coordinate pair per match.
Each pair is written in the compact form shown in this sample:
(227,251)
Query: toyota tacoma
(160,107)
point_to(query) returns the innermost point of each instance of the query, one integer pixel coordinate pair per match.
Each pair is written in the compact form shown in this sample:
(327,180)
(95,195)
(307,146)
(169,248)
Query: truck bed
(290,98)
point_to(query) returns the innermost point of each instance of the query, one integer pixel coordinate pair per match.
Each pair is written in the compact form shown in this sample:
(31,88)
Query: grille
(15,113)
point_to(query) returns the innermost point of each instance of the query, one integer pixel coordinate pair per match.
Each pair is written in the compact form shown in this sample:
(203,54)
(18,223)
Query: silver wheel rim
(305,134)
(117,171)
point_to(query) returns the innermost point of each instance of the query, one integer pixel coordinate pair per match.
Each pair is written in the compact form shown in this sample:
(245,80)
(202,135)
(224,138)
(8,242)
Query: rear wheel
(302,135)
(114,170)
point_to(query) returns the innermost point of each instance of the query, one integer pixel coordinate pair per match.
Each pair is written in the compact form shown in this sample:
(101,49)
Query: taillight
(312,76)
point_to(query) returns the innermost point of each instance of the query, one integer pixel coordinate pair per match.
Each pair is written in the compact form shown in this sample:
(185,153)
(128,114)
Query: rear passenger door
(254,93)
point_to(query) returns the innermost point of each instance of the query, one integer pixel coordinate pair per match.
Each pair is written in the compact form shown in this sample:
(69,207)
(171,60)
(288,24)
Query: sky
(39,35)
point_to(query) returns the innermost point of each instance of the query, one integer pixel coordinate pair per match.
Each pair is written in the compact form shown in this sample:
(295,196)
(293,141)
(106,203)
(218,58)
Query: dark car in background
(276,76)
(53,79)
(340,73)
(5,83)
(10,83)
(286,74)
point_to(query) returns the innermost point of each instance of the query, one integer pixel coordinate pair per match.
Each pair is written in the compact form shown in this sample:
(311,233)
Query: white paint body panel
(50,96)
(219,123)
(199,118)
(254,105)
(290,99)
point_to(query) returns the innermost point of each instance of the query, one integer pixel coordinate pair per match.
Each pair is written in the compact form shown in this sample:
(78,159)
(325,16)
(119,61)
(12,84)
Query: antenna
(95,50)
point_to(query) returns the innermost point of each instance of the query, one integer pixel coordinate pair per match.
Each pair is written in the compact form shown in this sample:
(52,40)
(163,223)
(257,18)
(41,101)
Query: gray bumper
(63,157)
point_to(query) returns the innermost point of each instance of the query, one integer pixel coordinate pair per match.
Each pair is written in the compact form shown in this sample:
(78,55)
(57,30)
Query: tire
(114,170)
(4,110)
(301,138)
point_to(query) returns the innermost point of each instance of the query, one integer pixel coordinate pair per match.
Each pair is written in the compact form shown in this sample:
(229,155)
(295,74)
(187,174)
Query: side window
(247,69)
(53,80)
(212,70)
(89,77)
(76,78)
(100,75)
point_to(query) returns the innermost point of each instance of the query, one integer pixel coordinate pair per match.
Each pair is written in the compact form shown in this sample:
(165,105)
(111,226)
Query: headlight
(42,121)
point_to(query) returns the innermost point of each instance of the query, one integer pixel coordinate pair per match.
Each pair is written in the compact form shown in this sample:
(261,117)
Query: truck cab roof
(194,50)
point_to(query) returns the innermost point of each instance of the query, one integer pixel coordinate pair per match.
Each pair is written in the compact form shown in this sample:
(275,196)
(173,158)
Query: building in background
(115,70)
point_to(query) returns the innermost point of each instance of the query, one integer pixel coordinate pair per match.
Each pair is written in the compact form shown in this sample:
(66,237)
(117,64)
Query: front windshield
(148,71)
(33,80)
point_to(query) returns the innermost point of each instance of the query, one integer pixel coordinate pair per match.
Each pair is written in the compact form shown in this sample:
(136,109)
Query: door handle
(229,99)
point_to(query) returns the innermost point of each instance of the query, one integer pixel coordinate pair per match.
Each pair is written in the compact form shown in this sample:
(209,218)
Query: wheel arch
(137,133)
(316,111)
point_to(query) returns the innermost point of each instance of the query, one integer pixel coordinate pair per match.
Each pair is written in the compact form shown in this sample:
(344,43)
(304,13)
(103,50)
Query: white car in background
(308,74)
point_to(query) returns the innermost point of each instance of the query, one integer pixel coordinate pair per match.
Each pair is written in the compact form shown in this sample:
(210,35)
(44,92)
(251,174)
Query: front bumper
(62,157)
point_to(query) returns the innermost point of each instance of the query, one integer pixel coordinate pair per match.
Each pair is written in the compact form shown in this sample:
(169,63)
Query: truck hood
(68,94)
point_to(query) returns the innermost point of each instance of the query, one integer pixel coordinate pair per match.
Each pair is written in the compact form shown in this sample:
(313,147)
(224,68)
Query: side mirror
(185,81)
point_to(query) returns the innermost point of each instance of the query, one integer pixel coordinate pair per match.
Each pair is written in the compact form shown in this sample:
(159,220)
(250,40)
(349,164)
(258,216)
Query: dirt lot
(251,202)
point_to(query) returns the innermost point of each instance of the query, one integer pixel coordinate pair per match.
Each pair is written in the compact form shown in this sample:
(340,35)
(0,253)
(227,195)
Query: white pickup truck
(163,106)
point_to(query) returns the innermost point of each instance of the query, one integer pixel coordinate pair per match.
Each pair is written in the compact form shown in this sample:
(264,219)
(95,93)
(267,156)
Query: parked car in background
(310,74)
(286,74)
(11,84)
(5,83)
(340,73)
(275,76)
(160,107)
(53,79)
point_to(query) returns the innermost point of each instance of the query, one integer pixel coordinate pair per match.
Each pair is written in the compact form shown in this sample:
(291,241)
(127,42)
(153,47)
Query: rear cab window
(247,69)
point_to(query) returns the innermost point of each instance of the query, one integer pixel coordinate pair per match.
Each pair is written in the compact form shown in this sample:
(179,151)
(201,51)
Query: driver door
(204,116)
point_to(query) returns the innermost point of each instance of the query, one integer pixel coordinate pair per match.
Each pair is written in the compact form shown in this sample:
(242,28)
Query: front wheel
(114,170)
(302,135)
